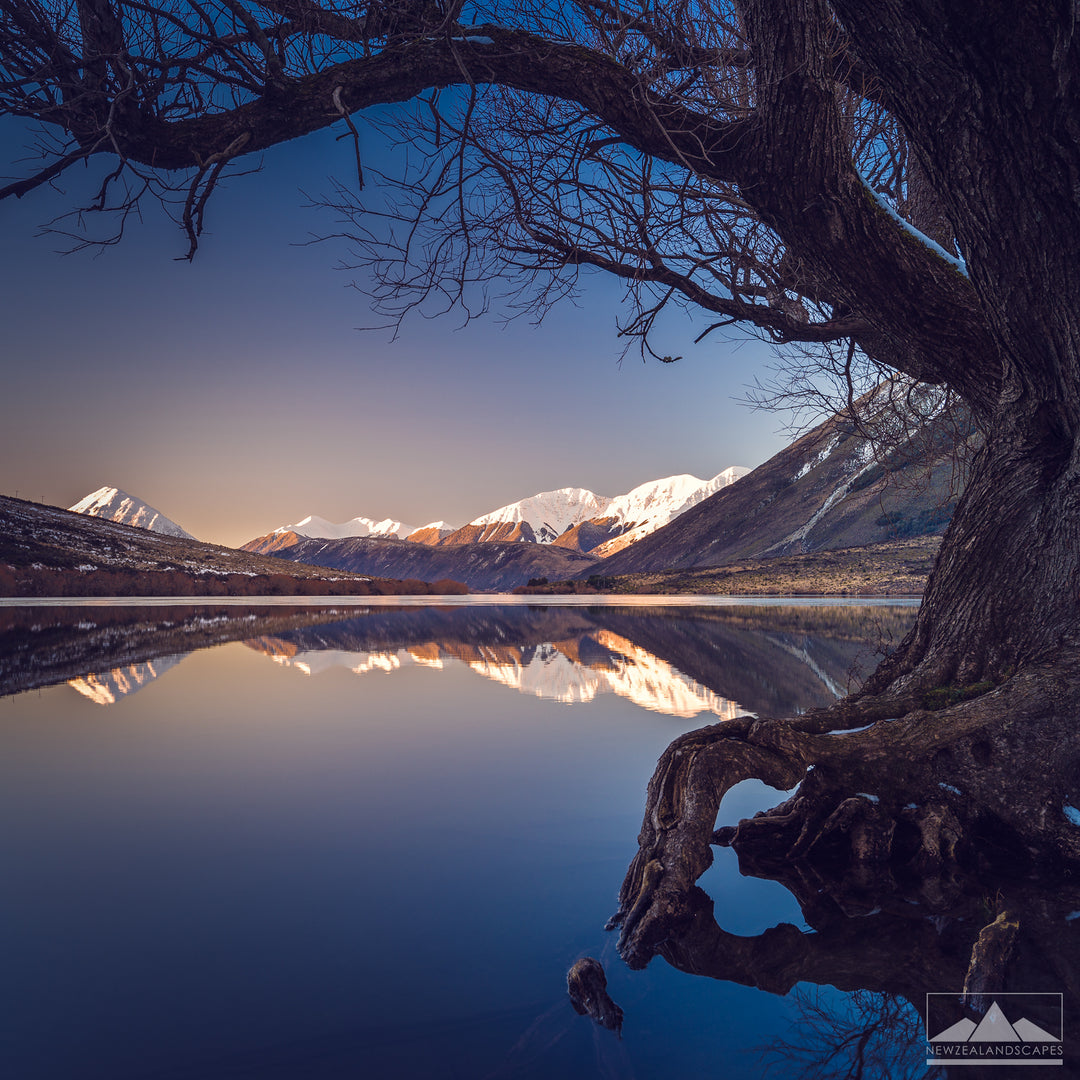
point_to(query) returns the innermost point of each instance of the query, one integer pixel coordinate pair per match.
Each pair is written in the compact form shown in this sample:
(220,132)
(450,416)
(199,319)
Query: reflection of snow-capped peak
(552,671)
(547,673)
(654,684)
(426,655)
(317,661)
(629,671)
(108,687)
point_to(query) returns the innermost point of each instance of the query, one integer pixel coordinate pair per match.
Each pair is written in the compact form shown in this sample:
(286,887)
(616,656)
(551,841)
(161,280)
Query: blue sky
(235,393)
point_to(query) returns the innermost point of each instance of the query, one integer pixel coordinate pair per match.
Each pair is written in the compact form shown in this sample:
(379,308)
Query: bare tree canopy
(894,186)
(896,182)
(637,139)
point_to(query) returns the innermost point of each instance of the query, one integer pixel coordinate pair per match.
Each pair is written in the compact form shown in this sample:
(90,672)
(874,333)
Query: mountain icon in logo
(994,1027)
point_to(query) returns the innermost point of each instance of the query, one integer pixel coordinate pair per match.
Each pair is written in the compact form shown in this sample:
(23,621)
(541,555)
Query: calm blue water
(343,853)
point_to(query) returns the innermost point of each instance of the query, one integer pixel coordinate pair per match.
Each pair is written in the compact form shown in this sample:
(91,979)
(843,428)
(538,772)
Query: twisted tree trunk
(1005,590)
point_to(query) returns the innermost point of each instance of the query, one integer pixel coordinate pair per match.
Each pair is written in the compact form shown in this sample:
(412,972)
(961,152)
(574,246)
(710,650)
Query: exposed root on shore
(888,798)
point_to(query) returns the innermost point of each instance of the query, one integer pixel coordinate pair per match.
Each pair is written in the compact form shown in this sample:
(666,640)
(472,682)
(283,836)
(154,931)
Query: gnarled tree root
(981,787)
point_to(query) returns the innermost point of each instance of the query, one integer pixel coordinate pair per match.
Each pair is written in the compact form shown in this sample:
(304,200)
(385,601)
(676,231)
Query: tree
(763,160)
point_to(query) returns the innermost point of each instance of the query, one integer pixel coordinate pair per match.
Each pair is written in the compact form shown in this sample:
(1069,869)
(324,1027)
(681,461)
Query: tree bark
(988,98)
(1005,590)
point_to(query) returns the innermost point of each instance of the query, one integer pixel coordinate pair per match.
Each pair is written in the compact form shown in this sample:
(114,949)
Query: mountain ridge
(544,518)
(828,491)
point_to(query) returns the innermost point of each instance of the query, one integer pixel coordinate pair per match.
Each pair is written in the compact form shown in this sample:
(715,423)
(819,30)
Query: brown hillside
(590,535)
(824,492)
(495,532)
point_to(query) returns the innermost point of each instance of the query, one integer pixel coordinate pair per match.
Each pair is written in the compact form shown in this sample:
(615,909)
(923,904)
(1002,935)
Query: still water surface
(336,842)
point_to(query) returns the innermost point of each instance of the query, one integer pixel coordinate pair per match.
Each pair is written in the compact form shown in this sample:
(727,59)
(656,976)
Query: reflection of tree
(866,1036)
(916,818)
(888,922)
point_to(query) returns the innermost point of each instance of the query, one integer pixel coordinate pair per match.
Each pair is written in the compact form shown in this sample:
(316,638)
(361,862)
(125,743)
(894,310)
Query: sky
(236,393)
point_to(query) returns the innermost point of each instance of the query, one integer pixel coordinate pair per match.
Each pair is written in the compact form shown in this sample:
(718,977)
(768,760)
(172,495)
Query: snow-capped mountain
(651,506)
(431,533)
(550,513)
(582,520)
(317,528)
(825,491)
(661,500)
(570,517)
(115,505)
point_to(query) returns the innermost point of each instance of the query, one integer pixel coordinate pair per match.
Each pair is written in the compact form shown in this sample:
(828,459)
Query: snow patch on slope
(859,464)
(817,459)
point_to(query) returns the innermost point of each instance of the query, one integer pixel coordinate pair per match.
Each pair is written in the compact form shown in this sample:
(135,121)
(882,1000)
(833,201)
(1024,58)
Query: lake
(335,840)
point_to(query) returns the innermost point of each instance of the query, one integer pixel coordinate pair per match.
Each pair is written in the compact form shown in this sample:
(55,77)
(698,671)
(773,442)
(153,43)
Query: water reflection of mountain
(108,687)
(573,671)
(682,661)
(40,646)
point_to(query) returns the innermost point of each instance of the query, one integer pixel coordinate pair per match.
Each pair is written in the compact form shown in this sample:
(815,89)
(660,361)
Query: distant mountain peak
(548,513)
(318,528)
(114,504)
